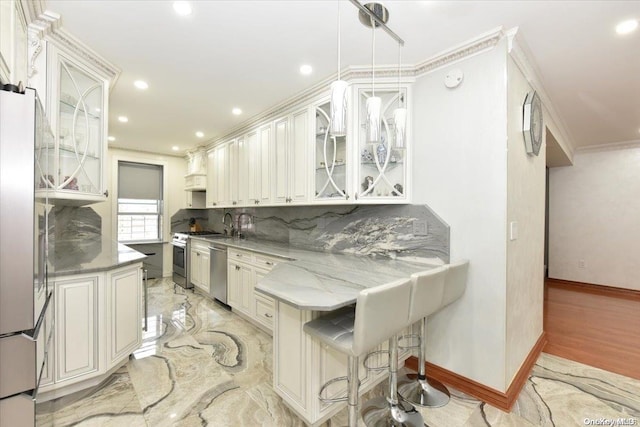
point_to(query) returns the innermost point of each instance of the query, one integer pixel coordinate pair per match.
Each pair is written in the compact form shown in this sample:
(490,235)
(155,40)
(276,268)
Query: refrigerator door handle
(32,334)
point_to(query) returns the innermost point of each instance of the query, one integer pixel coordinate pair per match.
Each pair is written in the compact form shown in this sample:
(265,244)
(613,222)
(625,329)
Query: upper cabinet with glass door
(331,162)
(78,100)
(383,169)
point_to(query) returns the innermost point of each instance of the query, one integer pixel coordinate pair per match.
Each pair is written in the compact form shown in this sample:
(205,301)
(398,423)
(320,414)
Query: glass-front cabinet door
(382,165)
(79,108)
(331,163)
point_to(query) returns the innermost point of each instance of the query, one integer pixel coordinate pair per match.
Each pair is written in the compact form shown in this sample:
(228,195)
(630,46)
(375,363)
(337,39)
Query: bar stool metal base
(428,393)
(379,412)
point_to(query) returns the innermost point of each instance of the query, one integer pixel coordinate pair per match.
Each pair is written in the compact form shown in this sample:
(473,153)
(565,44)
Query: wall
(526,207)
(174,170)
(460,170)
(593,216)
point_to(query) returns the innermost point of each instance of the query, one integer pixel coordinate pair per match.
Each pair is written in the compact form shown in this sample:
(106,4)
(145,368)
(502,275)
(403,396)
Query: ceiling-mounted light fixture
(374,103)
(338,109)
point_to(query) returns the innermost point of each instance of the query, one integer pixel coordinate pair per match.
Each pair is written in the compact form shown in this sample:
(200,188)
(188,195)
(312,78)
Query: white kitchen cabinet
(332,165)
(199,265)
(291,165)
(97,325)
(245,270)
(239,287)
(232,172)
(264,153)
(195,199)
(124,327)
(79,328)
(382,170)
(248,169)
(263,305)
(303,364)
(78,97)
(212,179)
(13,42)
(219,175)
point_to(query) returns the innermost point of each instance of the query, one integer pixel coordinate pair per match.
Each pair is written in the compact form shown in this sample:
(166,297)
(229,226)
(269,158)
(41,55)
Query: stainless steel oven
(180,260)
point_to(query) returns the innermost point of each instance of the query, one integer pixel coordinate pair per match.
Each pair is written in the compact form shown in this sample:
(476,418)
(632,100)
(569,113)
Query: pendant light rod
(378,21)
(339,40)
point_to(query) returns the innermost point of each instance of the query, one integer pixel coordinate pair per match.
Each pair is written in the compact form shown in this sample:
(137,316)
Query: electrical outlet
(580,263)
(420,227)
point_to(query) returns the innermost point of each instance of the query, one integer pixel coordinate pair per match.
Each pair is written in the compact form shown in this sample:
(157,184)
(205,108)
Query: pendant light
(374,103)
(400,113)
(338,108)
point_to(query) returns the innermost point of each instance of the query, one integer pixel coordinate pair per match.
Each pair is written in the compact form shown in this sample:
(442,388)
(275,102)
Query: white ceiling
(247,53)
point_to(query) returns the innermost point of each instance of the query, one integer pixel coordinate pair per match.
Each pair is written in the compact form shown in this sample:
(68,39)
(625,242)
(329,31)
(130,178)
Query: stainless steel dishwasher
(218,278)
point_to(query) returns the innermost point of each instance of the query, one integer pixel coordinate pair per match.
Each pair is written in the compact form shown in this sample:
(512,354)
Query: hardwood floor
(595,325)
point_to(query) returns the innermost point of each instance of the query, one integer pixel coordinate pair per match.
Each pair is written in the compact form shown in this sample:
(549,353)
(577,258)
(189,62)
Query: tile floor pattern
(201,365)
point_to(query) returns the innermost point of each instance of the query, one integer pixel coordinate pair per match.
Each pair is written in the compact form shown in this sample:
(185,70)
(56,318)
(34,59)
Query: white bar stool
(431,291)
(380,313)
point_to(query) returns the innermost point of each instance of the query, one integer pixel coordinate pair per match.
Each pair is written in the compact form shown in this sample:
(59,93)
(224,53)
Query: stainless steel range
(181,249)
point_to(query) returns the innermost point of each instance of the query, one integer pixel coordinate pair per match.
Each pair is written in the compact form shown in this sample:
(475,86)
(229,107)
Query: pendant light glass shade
(400,127)
(339,108)
(374,104)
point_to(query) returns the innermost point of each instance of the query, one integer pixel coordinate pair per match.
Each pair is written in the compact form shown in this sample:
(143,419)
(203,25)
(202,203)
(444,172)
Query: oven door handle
(178,245)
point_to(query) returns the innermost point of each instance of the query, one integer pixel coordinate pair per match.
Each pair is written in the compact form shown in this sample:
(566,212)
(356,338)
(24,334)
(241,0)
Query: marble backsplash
(180,220)
(75,236)
(410,232)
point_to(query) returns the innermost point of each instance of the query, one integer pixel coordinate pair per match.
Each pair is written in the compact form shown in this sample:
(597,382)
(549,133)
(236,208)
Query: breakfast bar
(303,290)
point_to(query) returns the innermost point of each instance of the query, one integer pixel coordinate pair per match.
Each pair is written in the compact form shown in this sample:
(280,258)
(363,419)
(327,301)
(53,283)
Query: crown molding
(67,42)
(363,74)
(475,46)
(520,54)
(621,145)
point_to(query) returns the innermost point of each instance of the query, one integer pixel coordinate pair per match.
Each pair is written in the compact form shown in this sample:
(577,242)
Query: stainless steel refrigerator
(26,320)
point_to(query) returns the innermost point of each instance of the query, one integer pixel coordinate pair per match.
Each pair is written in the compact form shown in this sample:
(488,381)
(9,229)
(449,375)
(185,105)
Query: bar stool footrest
(376,368)
(412,344)
(332,399)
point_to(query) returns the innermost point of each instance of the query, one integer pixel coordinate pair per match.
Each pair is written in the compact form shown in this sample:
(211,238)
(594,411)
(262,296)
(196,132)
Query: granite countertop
(321,281)
(88,255)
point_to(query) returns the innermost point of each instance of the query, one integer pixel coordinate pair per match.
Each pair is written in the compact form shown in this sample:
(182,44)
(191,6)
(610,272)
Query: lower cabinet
(245,269)
(124,293)
(78,327)
(98,323)
(302,364)
(199,265)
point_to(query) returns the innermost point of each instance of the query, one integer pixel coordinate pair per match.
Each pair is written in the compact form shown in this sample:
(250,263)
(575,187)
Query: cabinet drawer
(200,245)
(266,262)
(264,309)
(237,255)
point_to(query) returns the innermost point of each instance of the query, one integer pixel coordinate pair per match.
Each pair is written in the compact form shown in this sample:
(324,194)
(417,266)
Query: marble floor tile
(202,365)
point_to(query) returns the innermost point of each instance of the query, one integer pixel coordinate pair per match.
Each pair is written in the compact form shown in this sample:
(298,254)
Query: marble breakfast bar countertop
(321,281)
(88,255)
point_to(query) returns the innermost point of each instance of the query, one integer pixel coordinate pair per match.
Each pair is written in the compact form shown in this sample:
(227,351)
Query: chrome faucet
(226,226)
(239,219)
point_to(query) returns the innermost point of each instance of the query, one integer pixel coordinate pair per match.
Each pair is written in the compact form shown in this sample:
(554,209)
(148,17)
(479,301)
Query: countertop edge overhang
(322,281)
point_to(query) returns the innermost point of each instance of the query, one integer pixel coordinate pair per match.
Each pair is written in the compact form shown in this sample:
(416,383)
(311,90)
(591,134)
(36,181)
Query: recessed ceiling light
(236,111)
(111,138)
(123,119)
(175,148)
(141,84)
(625,27)
(182,8)
(200,134)
(306,69)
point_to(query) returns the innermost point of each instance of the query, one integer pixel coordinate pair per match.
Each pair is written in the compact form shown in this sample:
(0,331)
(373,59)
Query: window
(139,202)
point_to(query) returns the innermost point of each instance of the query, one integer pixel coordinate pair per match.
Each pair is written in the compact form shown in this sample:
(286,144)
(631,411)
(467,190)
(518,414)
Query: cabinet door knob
(106,193)
(268,315)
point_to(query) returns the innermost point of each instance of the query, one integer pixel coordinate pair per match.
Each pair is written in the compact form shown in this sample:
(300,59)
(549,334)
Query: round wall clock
(532,123)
